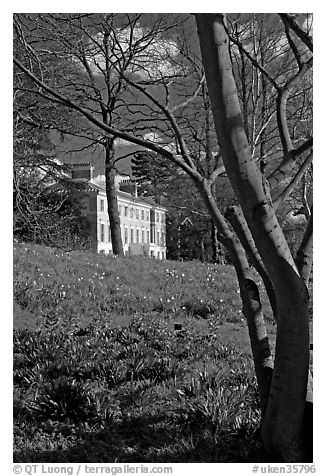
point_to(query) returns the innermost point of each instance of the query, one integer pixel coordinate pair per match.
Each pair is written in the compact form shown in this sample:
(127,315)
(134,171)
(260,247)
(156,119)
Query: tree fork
(235,216)
(252,308)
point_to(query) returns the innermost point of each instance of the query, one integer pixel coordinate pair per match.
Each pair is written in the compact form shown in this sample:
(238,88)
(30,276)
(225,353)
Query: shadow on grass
(148,439)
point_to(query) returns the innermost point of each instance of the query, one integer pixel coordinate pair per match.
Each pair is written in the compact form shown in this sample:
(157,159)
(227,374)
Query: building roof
(87,186)
(140,200)
(82,185)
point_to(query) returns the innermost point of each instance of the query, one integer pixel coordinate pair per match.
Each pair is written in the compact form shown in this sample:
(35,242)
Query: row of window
(153,254)
(134,236)
(135,212)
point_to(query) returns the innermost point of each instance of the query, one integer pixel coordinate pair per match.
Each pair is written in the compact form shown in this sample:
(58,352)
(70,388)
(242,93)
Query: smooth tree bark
(249,292)
(304,253)
(282,426)
(235,217)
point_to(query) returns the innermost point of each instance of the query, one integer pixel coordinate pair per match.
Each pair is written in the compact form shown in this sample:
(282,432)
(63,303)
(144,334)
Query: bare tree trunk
(240,226)
(304,253)
(214,241)
(282,426)
(202,250)
(252,309)
(111,194)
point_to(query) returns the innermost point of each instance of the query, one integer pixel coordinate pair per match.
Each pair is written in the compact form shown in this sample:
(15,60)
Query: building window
(137,213)
(102,236)
(126,236)
(102,205)
(131,235)
(143,214)
(147,215)
(158,238)
(119,208)
(109,233)
(148,235)
(126,211)
(137,236)
(143,236)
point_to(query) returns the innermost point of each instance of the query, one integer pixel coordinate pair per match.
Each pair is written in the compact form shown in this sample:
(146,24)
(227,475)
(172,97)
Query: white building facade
(143,223)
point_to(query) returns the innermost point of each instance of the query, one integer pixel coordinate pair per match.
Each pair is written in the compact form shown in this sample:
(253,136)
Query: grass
(101,374)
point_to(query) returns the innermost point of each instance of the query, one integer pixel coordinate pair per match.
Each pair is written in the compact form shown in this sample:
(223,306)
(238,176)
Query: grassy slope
(125,385)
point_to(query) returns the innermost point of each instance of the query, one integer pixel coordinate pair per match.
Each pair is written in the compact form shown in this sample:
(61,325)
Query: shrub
(63,399)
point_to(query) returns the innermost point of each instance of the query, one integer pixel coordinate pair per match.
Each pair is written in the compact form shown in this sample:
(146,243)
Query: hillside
(80,287)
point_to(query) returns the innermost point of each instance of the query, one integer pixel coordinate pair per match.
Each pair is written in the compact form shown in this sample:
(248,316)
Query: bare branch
(110,130)
(287,164)
(304,255)
(254,61)
(293,24)
(294,182)
(281,104)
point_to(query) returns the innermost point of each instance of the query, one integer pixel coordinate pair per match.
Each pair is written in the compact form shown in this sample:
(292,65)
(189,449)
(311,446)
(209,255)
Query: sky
(153,60)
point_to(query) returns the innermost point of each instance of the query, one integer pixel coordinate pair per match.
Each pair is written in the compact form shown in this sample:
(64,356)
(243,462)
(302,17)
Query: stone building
(143,223)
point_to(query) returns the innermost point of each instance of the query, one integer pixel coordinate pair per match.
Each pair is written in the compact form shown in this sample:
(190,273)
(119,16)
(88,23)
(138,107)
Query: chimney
(82,170)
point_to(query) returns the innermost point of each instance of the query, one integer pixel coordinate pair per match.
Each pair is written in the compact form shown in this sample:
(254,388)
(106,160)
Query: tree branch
(287,164)
(292,23)
(110,130)
(254,61)
(294,182)
(304,255)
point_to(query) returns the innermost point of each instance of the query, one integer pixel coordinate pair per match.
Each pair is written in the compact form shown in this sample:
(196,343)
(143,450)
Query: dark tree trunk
(111,194)
(215,244)
(202,250)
